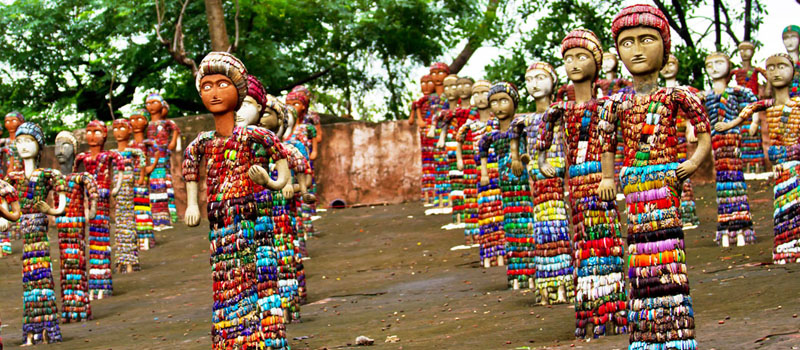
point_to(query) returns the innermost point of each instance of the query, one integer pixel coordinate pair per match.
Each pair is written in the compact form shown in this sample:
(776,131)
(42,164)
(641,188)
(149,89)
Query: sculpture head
(610,62)
(540,79)
(426,84)
(746,50)
(670,70)
(582,54)
(253,105)
(503,98)
(13,121)
(222,82)
(642,36)
(299,101)
(66,145)
(29,140)
(791,38)
(438,72)
(780,70)
(274,116)
(465,88)
(480,93)
(139,119)
(451,87)
(718,65)
(96,133)
(157,106)
(122,129)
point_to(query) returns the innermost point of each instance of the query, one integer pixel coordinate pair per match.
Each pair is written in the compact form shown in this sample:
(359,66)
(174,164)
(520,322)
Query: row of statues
(260,200)
(503,175)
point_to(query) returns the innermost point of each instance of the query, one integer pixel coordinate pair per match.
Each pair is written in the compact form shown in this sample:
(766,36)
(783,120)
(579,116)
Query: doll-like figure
(165,136)
(660,309)
(611,83)
(553,256)
(723,104)
(141,190)
(309,117)
(134,173)
(439,72)
(483,203)
(235,170)
(597,239)
(684,133)
(747,75)
(516,193)
(440,154)
(9,211)
(11,162)
(783,126)
(101,165)
(305,133)
(80,188)
(421,114)
(40,321)
(791,40)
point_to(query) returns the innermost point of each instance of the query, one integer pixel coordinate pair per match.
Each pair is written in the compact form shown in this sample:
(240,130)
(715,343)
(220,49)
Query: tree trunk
(216,26)
(717,27)
(477,38)
(748,6)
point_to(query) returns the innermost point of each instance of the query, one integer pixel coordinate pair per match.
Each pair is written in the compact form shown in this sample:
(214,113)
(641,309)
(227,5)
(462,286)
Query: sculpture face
(138,123)
(427,86)
(791,40)
(27,147)
(12,123)
(95,136)
(121,133)
(270,120)
(64,151)
(154,107)
(539,83)
(579,64)
(464,89)
(249,112)
(218,93)
(298,105)
(779,71)
(480,97)
(717,66)
(438,76)
(641,50)
(670,70)
(609,62)
(502,105)
(451,88)
(746,54)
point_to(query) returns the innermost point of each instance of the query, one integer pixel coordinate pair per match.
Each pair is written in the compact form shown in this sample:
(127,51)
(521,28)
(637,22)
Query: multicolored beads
(141,200)
(127,240)
(162,196)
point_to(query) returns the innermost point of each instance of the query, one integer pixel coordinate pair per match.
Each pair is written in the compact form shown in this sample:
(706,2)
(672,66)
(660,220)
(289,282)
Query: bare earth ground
(388,270)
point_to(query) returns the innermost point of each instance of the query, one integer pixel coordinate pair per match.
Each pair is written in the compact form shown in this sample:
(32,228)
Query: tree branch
(476,39)
(309,78)
(728,28)
(111,94)
(176,49)
(233,47)
(683,32)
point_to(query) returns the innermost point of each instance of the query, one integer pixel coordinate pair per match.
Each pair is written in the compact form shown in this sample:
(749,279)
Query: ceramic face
(746,54)
(502,105)
(670,70)
(63,151)
(464,90)
(12,123)
(579,64)
(480,97)
(539,83)
(218,93)
(609,63)
(154,107)
(641,50)
(779,71)
(121,133)
(248,113)
(451,89)
(270,120)
(95,136)
(791,40)
(298,105)
(427,87)
(717,67)
(27,147)
(438,76)
(138,123)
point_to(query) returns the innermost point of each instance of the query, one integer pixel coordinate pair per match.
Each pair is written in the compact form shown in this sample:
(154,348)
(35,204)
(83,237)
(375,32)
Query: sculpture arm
(278,154)
(544,140)
(747,112)
(412,113)
(173,142)
(460,136)
(192,215)
(695,114)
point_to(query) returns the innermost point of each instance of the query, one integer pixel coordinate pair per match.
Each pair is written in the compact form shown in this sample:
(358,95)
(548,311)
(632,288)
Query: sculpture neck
(30,165)
(795,55)
(504,124)
(440,90)
(156,117)
(611,75)
(138,135)
(542,104)
(95,150)
(747,65)
(453,103)
(719,85)
(484,114)
(123,145)
(224,123)
(583,90)
(465,103)
(66,167)
(645,84)
(781,95)
(671,82)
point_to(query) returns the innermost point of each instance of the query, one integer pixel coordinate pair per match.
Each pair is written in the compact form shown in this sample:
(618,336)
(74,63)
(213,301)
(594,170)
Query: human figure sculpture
(611,83)
(791,40)
(553,257)
(723,104)
(440,155)
(483,203)
(660,309)
(747,75)
(421,114)
(305,133)
(40,321)
(597,239)
(308,116)
(81,188)
(9,210)
(165,136)
(11,162)
(235,170)
(134,173)
(684,133)
(141,189)
(783,125)
(438,72)
(516,194)
(100,164)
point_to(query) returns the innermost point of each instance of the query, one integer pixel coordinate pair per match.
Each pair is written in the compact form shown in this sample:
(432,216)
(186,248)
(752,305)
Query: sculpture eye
(223,84)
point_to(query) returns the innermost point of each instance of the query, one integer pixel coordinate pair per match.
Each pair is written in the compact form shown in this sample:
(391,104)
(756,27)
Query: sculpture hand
(484,180)
(92,210)
(309,198)
(722,126)
(460,164)
(547,169)
(258,174)
(288,191)
(525,158)
(42,207)
(607,190)
(192,216)
(754,127)
(517,168)
(686,169)
(4,224)
(690,136)
(114,191)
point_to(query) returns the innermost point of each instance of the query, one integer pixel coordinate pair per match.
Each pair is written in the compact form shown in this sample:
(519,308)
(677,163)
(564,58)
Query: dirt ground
(389,271)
